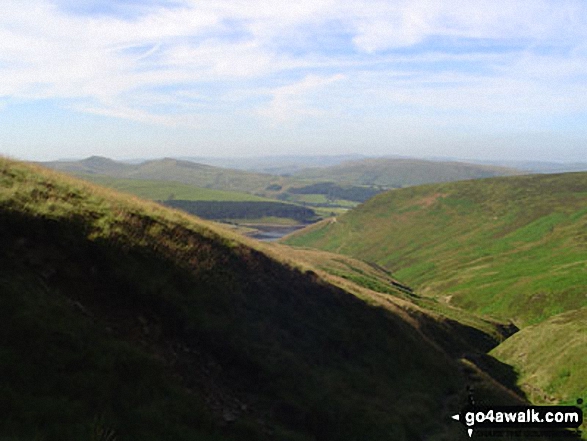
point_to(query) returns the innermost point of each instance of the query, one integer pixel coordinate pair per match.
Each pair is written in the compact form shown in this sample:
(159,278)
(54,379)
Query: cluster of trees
(333,191)
(243,210)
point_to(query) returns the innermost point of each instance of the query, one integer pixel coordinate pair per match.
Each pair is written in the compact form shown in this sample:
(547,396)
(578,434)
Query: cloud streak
(291,101)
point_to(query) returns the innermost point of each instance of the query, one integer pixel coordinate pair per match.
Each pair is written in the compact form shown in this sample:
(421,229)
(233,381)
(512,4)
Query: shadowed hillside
(120,319)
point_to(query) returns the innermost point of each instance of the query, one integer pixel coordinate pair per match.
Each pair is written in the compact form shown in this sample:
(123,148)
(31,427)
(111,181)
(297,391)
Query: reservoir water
(271,233)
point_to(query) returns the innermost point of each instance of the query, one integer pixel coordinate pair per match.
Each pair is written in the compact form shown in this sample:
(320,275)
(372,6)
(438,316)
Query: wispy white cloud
(381,25)
(291,101)
(177,63)
(135,114)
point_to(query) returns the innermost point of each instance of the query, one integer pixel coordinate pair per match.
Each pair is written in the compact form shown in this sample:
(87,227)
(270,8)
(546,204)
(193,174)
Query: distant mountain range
(277,165)
(379,172)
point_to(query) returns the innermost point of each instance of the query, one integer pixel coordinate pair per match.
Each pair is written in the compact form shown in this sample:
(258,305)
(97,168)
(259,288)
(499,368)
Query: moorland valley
(407,285)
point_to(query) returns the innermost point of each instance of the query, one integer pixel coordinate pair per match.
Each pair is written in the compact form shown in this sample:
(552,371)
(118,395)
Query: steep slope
(512,247)
(455,330)
(399,172)
(122,319)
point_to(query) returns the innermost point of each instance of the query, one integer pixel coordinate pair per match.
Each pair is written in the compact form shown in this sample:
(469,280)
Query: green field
(321,200)
(376,285)
(121,319)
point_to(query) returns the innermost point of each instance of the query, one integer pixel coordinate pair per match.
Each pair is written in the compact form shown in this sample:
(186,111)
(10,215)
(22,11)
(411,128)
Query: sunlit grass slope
(512,247)
(120,319)
(551,358)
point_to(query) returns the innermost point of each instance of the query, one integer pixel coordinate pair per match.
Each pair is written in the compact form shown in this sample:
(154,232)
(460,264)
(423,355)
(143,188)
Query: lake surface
(271,233)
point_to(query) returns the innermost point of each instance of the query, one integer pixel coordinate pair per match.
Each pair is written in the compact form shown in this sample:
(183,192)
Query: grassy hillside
(378,286)
(514,247)
(551,358)
(120,319)
(397,173)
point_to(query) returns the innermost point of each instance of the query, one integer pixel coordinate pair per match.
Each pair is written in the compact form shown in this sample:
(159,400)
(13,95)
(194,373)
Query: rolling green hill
(397,173)
(513,247)
(121,319)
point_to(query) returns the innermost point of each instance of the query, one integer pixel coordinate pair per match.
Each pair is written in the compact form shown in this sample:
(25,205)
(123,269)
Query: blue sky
(143,79)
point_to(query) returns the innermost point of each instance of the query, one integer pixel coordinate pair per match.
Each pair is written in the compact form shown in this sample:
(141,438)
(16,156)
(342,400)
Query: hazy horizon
(488,80)
(293,157)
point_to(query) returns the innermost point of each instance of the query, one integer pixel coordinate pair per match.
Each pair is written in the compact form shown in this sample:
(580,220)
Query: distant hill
(185,172)
(539,166)
(277,164)
(92,165)
(401,172)
(121,319)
